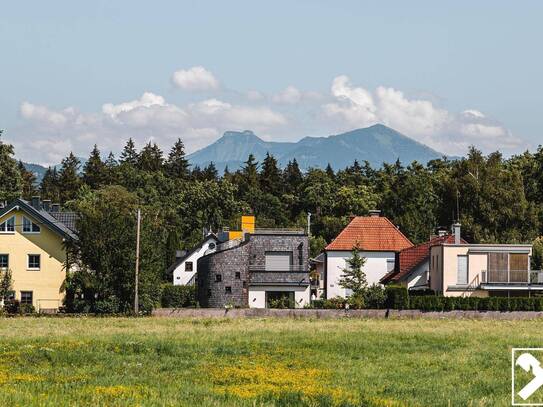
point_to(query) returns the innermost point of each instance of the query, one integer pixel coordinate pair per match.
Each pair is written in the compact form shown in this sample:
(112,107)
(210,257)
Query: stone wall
(233,267)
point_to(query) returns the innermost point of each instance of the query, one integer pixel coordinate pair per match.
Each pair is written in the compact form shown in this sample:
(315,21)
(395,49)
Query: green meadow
(259,362)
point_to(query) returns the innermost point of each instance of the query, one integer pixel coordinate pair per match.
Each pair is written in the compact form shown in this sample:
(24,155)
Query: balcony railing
(516,277)
(279,231)
(287,269)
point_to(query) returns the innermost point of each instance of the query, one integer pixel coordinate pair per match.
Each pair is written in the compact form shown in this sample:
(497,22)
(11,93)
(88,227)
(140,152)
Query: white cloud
(195,78)
(290,95)
(417,118)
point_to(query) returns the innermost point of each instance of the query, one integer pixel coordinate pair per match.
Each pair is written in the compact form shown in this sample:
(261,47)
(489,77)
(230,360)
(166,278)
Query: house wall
(376,266)
(182,277)
(419,276)
(257,295)
(45,283)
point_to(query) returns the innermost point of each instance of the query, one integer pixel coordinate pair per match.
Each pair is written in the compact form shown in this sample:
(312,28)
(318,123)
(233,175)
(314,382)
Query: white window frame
(8,232)
(464,256)
(5,267)
(28,267)
(32,225)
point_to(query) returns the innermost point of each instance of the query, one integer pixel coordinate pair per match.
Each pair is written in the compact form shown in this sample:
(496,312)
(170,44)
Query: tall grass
(269,362)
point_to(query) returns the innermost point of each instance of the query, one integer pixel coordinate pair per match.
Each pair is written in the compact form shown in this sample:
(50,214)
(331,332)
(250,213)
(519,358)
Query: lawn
(247,362)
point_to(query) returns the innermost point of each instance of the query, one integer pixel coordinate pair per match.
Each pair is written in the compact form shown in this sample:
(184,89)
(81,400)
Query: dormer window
(8,225)
(30,227)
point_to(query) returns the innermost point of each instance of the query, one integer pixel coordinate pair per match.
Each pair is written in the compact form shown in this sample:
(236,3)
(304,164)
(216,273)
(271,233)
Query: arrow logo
(528,363)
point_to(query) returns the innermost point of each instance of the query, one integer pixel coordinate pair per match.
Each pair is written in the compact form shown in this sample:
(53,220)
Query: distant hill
(39,170)
(377,144)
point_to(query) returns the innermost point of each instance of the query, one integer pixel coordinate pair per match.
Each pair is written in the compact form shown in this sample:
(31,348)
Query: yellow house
(32,237)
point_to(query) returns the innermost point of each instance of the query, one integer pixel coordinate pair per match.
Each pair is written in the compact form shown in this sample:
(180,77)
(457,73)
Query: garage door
(278,261)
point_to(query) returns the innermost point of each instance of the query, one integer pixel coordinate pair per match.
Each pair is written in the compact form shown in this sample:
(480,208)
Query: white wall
(376,267)
(257,295)
(419,276)
(182,277)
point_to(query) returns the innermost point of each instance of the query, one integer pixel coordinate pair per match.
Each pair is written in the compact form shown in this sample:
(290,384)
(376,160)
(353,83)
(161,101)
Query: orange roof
(411,257)
(371,233)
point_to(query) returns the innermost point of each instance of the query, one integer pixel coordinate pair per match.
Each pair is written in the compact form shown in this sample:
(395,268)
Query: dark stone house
(266,268)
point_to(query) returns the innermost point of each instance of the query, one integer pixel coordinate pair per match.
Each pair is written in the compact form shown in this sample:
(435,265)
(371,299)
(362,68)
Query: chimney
(456,232)
(180,253)
(441,232)
(375,213)
(46,205)
(55,207)
(36,203)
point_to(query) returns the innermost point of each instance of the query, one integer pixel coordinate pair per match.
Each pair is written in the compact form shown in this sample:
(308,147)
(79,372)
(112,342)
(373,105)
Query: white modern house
(185,267)
(379,242)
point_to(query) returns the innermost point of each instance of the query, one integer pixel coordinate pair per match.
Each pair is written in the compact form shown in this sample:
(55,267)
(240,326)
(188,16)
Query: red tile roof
(411,257)
(371,233)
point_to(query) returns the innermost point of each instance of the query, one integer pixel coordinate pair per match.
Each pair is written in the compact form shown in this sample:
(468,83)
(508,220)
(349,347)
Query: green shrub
(108,305)
(178,296)
(374,297)
(397,297)
(356,302)
(439,303)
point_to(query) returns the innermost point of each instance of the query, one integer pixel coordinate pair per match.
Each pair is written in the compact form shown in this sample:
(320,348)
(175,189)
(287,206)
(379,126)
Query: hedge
(396,297)
(178,296)
(504,304)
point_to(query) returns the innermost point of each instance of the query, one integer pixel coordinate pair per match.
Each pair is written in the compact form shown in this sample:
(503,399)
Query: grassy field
(246,362)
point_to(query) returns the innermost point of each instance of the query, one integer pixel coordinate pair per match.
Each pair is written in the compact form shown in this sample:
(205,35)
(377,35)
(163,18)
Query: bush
(108,305)
(356,302)
(418,293)
(374,297)
(438,303)
(13,306)
(178,296)
(333,303)
(397,297)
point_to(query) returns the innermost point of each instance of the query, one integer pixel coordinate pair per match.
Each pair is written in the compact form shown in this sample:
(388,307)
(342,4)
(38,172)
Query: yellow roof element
(247,226)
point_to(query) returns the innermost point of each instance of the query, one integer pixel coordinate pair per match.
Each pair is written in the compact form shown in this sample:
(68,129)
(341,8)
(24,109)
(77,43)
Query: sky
(447,74)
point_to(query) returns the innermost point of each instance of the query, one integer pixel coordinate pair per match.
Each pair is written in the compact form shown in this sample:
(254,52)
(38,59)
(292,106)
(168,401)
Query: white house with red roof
(412,267)
(379,241)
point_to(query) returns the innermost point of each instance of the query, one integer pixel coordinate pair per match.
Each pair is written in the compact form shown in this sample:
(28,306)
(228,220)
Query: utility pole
(309,224)
(136,294)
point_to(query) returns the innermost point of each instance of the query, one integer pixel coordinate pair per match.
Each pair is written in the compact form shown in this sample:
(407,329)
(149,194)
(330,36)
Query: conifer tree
(129,154)
(293,177)
(69,180)
(210,172)
(111,169)
(10,176)
(94,172)
(150,158)
(28,182)
(270,176)
(354,277)
(49,188)
(177,166)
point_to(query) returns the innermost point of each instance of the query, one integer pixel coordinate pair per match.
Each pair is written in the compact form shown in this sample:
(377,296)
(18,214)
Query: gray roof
(54,220)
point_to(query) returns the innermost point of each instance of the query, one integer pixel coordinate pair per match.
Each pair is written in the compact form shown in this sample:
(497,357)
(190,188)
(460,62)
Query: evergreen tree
(292,177)
(354,277)
(94,171)
(28,182)
(111,167)
(129,154)
(10,177)
(270,176)
(49,187)
(330,172)
(210,173)
(69,180)
(196,174)
(177,166)
(249,176)
(150,158)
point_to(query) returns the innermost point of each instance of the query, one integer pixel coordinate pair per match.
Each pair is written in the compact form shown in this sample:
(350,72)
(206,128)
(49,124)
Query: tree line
(497,200)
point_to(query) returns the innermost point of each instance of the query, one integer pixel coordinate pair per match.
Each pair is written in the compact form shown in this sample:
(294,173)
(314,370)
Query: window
(278,261)
(228,290)
(29,226)
(188,266)
(245,284)
(8,225)
(33,261)
(462,270)
(4,261)
(26,297)
(212,246)
(209,293)
(218,278)
(238,275)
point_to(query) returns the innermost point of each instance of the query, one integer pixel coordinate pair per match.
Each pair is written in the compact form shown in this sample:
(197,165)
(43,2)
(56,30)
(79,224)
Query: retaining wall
(337,314)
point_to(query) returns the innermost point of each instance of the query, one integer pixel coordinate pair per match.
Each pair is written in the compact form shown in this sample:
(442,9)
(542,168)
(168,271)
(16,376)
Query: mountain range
(377,144)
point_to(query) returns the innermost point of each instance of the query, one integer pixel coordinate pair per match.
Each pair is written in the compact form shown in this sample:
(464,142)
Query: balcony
(293,276)
(520,278)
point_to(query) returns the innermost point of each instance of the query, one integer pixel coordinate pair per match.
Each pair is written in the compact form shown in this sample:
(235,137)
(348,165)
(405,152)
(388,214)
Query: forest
(496,199)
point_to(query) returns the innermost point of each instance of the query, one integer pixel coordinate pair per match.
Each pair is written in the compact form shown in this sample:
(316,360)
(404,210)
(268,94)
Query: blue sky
(449,75)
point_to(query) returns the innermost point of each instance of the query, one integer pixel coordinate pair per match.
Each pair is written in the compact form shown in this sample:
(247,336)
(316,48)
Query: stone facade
(244,266)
